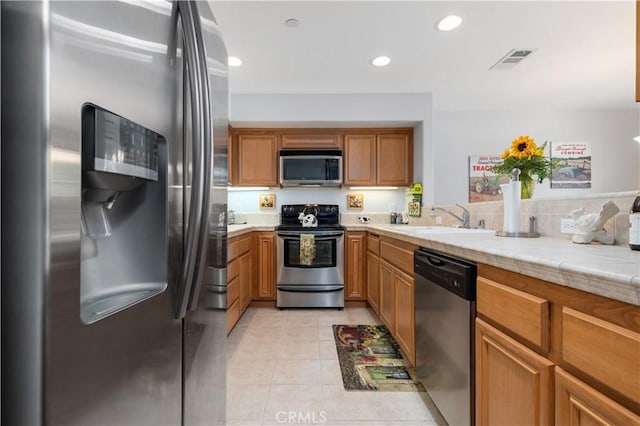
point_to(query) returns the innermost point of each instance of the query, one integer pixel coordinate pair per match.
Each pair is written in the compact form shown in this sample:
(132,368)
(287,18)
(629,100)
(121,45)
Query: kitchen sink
(426,230)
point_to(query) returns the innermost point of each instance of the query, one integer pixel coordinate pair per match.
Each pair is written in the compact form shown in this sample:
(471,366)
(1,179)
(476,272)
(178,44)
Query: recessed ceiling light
(292,22)
(234,62)
(381,61)
(449,23)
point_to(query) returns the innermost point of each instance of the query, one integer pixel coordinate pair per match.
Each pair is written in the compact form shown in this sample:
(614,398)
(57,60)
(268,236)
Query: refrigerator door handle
(207,143)
(190,53)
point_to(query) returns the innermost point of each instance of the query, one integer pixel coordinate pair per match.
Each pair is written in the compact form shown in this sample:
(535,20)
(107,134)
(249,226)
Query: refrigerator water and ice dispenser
(124,214)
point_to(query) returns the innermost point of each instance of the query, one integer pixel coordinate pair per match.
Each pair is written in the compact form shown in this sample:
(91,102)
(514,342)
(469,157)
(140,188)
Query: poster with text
(573,165)
(484,185)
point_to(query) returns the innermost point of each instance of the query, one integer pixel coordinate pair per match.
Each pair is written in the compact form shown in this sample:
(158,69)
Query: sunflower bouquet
(525,155)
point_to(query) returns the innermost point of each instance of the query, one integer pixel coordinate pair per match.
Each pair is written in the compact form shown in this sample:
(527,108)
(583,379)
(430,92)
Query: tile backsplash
(547,211)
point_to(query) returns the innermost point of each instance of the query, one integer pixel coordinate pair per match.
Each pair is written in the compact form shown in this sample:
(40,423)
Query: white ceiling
(584,58)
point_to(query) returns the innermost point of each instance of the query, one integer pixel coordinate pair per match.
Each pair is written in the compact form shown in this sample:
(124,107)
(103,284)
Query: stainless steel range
(310,255)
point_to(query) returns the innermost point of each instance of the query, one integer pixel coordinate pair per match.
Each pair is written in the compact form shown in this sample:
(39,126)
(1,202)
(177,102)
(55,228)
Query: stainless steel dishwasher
(444,314)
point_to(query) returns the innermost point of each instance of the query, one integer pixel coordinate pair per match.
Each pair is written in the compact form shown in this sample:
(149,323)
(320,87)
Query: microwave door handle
(195,204)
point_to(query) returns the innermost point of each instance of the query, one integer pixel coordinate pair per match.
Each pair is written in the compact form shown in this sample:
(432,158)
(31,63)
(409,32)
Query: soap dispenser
(634,221)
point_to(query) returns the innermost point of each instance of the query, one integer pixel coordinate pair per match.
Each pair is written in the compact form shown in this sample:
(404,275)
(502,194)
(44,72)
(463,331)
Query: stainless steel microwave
(310,168)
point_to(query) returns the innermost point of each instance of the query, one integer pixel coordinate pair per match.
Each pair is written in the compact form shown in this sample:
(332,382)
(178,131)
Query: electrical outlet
(568,226)
(438,220)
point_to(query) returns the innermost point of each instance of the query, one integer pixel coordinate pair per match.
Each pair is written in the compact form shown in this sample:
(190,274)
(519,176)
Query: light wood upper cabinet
(395,160)
(355,272)
(371,157)
(379,158)
(311,140)
(359,159)
(255,160)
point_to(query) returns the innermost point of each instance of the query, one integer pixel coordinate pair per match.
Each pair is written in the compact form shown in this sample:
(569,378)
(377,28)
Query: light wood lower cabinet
(373,281)
(578,404)
(240,275)
(265,288)
(387,295)
(514,384)
(397,293)
(529,331)
(355,272)
(245,279)
(405,313)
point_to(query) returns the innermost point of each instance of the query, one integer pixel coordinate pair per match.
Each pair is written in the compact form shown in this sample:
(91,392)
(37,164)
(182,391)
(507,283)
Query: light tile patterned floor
(283,370)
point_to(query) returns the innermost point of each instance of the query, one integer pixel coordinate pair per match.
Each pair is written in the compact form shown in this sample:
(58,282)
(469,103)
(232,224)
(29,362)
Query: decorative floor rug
(370,359)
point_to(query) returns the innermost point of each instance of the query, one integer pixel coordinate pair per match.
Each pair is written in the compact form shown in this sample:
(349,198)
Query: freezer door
(126,368)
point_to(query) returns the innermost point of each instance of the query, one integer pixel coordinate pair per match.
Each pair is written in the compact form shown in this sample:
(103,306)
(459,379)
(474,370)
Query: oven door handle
(317,235)
(309,288)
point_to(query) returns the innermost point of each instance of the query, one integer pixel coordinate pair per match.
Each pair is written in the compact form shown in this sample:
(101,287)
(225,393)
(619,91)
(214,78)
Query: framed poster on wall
(572,165)
(484,185)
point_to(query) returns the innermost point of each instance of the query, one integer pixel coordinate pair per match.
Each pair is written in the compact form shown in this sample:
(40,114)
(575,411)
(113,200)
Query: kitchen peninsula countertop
(609,271)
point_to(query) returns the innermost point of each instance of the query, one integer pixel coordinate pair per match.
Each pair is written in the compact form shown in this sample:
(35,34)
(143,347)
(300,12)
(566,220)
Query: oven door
(327,268)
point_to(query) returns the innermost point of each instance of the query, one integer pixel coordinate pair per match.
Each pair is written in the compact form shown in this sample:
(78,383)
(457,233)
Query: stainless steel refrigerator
(113,177)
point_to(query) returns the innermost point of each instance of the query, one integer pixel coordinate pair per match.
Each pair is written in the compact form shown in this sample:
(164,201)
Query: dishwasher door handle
(435,261)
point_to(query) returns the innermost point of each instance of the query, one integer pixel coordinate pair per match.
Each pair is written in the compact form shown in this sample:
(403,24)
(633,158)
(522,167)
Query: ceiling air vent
(511,59)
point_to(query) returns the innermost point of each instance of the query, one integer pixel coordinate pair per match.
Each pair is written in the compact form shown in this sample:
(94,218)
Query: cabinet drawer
(373,244)
(244,244)
(400,256)
(233,315)
(233,291)
(522,313)
(602,350)
(232,270)
(232,249)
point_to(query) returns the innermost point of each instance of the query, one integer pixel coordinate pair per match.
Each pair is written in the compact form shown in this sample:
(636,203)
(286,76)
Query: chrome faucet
(465,219)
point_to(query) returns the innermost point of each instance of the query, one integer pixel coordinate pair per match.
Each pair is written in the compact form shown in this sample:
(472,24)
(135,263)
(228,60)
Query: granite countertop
(610,271)
(240,229)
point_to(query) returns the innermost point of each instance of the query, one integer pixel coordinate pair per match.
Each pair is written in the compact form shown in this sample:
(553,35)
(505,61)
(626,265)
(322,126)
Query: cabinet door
(246,274)
(355,271)
(257,160)
(395,164)
(360,159)
(387,296)
(514,385)
(405,307)
(311,141)
(266,285)
(578,404)
(373,281)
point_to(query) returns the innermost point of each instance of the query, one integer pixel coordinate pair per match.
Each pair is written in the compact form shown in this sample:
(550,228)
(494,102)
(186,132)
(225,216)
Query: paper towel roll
(506,196)
(514,211)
